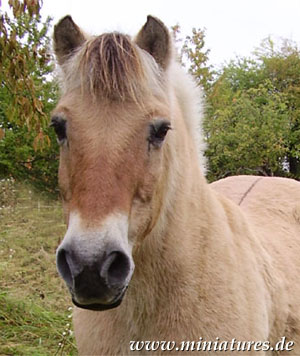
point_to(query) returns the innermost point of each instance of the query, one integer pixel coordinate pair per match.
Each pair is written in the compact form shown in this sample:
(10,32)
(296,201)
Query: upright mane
(114,67)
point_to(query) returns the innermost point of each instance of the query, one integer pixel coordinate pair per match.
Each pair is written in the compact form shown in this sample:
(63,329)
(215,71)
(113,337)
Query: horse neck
(165,257)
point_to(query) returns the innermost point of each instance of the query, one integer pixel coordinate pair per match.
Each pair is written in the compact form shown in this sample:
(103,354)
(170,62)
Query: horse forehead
(84,111)
(106,145)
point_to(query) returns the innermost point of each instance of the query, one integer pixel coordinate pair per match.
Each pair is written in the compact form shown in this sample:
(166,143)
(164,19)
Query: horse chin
(101,306)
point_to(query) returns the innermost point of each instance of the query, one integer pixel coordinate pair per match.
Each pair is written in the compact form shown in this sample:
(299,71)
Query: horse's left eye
(158,131)
(59,125)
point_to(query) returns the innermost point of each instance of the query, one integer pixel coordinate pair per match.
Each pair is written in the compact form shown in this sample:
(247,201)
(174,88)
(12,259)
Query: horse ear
(154,37)
(67,37)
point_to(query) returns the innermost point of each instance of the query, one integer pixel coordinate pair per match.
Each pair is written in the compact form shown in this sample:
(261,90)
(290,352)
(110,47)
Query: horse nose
(97,280)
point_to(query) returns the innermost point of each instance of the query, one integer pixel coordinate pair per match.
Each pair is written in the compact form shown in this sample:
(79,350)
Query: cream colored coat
(218,261)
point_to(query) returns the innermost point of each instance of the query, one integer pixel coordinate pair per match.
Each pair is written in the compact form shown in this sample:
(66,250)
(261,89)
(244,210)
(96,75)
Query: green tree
(281,64)
(27,94)
(192,53)
(248,135)
(197,56)
(253,112)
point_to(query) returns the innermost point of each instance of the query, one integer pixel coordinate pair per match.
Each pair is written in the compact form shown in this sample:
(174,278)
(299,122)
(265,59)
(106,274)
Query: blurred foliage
(252,119)
(193,55)
(247,132)
(27,95)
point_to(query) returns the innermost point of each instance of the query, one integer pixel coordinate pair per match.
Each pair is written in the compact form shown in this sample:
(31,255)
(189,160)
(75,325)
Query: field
(35,308)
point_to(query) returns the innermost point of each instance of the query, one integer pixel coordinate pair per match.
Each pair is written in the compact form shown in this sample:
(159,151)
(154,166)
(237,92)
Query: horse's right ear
(67,38)
(154,37)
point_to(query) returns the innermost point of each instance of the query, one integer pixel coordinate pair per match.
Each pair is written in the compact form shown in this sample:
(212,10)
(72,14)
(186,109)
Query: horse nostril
(63,266)
(115,268)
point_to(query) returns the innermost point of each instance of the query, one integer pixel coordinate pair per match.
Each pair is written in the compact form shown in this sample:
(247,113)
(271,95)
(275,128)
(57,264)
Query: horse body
(204,267)
(271,206)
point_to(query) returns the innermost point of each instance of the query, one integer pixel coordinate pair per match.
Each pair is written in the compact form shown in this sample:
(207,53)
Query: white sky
(233,27)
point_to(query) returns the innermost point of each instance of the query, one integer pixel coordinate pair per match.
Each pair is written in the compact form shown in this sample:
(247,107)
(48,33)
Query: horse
(152,252)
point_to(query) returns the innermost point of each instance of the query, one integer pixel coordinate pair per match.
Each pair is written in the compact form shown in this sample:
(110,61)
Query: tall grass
(35,316)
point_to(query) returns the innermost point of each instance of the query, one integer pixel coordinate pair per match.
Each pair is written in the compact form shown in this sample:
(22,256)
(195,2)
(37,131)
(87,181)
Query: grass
(35,315)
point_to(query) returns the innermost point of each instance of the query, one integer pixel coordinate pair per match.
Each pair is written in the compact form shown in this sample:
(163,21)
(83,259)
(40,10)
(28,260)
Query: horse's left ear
(154,37)
(67,38)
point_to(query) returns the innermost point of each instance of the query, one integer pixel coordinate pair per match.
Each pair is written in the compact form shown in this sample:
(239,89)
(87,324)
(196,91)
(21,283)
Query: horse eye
(158,131)
(59,125)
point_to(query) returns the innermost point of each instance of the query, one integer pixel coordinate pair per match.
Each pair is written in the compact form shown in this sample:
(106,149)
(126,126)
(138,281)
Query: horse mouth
(100,306)
(96,306)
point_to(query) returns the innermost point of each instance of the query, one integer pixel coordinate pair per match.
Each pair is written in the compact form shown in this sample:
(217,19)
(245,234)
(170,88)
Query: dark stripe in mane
(111,67)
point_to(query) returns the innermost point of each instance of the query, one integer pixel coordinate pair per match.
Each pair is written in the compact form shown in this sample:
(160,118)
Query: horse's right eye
(59,125)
